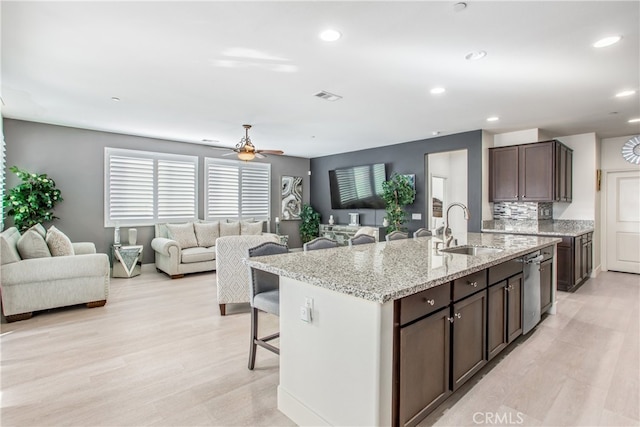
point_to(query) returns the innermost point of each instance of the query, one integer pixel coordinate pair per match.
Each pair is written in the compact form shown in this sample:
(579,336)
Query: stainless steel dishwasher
(531,292)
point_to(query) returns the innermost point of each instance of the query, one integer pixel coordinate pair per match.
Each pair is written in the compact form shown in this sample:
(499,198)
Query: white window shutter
(131,189)
(177,192)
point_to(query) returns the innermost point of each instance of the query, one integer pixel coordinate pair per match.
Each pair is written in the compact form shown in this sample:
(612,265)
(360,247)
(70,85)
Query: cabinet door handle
(430,301)
(450,319)
(473,284)
(458,316)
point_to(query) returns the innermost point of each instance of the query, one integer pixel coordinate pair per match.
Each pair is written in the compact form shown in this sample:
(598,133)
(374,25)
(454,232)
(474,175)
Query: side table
(127,260)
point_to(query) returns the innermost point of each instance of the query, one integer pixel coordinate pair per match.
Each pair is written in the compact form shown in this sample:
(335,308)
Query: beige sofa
(37,276)
(191,247)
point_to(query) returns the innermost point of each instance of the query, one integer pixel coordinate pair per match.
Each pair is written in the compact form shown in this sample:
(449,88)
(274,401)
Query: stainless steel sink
(472,250)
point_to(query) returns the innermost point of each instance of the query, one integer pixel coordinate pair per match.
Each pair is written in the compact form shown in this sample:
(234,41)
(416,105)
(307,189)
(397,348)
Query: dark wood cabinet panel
(537,172)
(503,177)
(546,283)
(424,366)
(468,338)
(496,319)
(514,307)
(575,261)
(536,169)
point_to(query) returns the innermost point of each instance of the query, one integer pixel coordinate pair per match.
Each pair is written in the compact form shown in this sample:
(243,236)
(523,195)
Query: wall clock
(631,150)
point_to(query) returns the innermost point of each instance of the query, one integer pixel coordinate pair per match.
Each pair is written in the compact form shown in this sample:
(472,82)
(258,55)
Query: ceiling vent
(327,95)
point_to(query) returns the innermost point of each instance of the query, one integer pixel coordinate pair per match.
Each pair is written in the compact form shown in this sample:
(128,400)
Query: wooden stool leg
(254,337)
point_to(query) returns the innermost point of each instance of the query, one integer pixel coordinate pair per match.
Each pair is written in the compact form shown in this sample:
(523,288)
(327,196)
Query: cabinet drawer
(470,284)
(547,253)
(415,306)
(502,271)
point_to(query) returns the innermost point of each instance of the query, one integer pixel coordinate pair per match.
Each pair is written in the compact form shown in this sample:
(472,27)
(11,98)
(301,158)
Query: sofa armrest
(270,234)
(55,268)
(164,245)
(84,248)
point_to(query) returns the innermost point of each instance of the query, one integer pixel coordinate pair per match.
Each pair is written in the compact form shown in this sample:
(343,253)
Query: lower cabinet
(575,261)
(469,317)
(424,366)
(546,284)
(504,322)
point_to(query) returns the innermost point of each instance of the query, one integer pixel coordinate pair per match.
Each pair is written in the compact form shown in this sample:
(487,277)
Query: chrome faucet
(447,237)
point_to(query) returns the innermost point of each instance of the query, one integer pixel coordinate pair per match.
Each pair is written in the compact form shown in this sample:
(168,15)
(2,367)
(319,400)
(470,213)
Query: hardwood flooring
(160,354)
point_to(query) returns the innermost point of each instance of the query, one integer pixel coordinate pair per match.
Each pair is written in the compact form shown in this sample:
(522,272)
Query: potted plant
(309,224)
(397,193)
(31,202)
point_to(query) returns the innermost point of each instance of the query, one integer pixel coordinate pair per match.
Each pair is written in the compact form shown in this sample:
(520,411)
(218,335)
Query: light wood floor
(160,354)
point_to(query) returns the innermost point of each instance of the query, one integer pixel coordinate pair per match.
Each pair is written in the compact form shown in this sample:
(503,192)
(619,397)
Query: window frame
(155,157)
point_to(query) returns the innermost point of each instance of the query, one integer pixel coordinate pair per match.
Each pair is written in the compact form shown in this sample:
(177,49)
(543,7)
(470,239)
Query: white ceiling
(189,71)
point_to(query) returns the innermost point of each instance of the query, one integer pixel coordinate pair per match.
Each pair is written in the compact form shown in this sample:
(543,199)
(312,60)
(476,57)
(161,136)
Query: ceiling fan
(247,151)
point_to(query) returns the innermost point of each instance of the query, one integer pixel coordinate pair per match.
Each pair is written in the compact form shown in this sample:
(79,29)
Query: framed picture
(291,197)
(412,180)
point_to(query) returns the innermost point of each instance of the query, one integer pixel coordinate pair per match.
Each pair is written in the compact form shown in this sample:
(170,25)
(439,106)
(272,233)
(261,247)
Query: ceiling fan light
(246,155)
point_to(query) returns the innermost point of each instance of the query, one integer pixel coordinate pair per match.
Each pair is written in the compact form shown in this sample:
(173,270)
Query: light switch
(305,314)
(416,216)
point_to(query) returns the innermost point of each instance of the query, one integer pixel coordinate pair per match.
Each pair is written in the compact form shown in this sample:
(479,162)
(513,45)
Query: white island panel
(337,369)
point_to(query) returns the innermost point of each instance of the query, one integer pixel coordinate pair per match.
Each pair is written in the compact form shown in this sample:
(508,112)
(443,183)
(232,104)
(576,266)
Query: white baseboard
(297,411)
(596,271)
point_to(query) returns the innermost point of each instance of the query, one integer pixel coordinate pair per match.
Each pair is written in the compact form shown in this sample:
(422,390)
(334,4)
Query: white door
(623,221)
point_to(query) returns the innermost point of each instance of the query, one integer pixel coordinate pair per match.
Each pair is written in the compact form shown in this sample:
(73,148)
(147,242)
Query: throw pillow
(183,234)
(229,228)
(40,230)
(58,242)
(207,233)
(251,228)
(32,245)
(8,246)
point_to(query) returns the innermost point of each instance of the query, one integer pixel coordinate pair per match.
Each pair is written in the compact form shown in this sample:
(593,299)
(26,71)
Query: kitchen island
(351,363)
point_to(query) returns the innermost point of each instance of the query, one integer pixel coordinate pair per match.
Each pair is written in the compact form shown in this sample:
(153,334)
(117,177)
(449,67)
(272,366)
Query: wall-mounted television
(357,187)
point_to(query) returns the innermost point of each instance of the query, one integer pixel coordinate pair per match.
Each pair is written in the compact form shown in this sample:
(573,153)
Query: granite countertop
(386,271)
(571,228)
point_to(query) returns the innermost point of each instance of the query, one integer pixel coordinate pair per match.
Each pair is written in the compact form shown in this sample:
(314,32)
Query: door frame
(604,232)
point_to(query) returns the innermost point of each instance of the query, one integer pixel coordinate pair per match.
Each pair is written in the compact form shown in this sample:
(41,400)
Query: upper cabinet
(537,172)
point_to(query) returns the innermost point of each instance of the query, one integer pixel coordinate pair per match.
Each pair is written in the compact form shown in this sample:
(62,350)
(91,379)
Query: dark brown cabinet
(424,366)
(575,261)
(538,172)
(546,283)
(469,317)
(504,322)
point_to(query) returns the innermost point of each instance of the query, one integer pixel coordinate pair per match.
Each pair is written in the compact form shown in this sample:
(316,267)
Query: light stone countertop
(566,227)
(386,271)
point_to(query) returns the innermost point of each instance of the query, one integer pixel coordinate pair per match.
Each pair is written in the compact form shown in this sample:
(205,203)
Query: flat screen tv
(357,187)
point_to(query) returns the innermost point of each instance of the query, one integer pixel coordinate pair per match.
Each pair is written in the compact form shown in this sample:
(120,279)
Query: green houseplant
(309,224)
(397,193)
(32,201)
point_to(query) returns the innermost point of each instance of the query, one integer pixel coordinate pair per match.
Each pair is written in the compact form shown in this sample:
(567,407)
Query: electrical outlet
(305,314)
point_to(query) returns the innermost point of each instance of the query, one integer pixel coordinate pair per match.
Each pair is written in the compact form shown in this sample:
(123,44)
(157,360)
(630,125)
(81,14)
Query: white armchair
(232,276)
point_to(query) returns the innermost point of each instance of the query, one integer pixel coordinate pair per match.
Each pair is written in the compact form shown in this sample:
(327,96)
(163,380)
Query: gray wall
(404,158)
(74,158)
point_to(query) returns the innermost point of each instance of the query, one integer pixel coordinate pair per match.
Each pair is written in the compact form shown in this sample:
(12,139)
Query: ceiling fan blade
(230,153)
(276,152)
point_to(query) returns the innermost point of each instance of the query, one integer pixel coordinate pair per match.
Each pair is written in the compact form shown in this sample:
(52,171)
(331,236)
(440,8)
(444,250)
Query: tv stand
(342,233)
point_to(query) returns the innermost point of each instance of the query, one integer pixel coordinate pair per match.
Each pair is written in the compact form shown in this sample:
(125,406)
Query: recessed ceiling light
(607,41)
(474,56)
(435,133)
(115,98)
(625,93)
(209,140)
(493,119)
(330,35)
(437,90)
(634,120)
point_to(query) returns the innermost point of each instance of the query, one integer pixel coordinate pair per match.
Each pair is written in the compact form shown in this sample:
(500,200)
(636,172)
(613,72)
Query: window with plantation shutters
(143,188)
(237,190)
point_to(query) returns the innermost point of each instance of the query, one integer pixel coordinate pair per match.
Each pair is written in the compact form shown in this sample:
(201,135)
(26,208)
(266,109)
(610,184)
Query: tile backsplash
(523,210)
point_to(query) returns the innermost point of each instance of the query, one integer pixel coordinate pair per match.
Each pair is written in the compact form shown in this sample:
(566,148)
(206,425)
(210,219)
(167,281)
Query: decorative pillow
(251,228)
(33,245)
(59,244)
(229,228)
(40,230)
(8,246)
(183,234)
(207,233)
